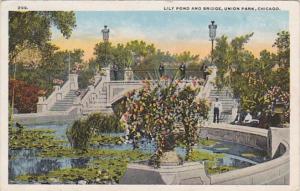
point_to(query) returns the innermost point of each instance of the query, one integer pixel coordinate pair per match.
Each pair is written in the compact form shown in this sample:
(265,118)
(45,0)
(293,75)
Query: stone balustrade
(44,104)
(272,172)
(275,141)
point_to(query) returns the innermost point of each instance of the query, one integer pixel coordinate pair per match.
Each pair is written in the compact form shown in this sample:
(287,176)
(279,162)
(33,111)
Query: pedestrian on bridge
(115,71)
(217,110)
(182,71)
(161,70)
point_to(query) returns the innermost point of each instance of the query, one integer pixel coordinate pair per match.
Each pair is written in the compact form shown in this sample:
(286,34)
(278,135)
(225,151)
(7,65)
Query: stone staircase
(98,102)
(66,103)
(228,103)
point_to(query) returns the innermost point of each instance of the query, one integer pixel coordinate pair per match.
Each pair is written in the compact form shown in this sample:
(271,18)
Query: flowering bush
(103,72)
(163,109)
(58,81)
(77,68)
(92,80)
(276,94)
(25,96)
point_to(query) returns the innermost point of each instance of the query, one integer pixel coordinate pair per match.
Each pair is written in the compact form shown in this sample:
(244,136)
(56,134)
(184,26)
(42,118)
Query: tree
(32,29)
(282,70)
(122,57)
(282,43)
(231,58)
(187,58)
(155,111)
(258,82)
(140,48)
(103,52)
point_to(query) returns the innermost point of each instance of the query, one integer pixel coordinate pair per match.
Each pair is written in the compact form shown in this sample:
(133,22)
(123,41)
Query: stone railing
(117,89)
(275,141)
(86,98)
(209,84)
(44,104)
(93,92)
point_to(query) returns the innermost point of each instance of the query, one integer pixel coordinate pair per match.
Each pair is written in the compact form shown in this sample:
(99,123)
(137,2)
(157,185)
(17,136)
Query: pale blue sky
(186,25)
(163,28)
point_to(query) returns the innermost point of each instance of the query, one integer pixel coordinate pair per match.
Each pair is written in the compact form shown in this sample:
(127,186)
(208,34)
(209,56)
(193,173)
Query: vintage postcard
(130,95)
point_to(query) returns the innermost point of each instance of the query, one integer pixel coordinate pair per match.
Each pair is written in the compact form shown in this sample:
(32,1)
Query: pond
(28,161)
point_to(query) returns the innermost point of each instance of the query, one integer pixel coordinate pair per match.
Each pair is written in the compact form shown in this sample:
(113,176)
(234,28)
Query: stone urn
(169,156)
(171,170)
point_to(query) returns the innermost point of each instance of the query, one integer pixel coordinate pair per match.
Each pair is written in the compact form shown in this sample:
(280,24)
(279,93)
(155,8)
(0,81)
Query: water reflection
(79,162)
(26,161)
(34,166)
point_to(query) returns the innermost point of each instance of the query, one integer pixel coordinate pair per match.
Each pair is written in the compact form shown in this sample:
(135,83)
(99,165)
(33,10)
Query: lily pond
(41,154)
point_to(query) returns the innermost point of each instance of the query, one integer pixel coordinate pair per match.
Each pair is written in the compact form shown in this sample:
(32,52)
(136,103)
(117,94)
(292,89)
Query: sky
(175,31)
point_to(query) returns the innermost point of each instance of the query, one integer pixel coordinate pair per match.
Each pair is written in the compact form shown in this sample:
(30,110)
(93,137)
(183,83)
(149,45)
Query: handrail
(84,93)
(89,92)
(97,85)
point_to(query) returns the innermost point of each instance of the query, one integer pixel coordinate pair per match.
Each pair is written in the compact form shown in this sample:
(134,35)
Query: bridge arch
(118,89)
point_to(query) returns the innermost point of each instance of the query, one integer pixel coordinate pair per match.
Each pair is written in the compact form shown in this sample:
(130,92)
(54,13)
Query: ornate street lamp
(105,33)
(212,35)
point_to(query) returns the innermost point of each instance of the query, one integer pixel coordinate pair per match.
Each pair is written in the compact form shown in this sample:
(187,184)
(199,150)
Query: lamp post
(212,35)
(105,33)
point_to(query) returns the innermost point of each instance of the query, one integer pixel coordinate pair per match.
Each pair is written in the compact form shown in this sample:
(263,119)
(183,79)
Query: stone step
(70,97)
(62,105)
(64,101)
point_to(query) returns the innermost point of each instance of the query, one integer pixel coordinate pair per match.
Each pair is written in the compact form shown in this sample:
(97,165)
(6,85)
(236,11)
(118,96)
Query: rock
(53,180)
(104,171)
(105,177)
(81,182)
(119,142)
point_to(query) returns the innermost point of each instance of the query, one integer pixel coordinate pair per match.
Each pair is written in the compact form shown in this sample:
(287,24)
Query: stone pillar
(275,137)
(106,74)
(56,88)
(59,96)
(41,105)
(128,74)
(77,104)
(73,78)
(234,110)
(57,92)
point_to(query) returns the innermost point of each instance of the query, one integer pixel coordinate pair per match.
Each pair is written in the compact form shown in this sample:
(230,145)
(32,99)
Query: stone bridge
(100,96)
(97,97)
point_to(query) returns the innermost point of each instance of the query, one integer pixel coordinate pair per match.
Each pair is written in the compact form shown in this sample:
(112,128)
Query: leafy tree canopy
(253,79)
(32,29)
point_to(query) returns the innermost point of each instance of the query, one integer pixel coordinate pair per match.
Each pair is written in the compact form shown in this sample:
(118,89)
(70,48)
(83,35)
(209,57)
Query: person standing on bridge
(115,71)
(217,110)
(182,71)
(161,70)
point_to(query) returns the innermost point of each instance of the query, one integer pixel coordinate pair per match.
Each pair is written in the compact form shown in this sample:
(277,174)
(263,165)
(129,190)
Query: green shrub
(103,123)
(81,132)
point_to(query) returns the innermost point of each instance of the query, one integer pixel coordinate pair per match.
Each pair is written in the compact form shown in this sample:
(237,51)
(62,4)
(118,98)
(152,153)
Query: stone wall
(249,136)
(272,172)
(40,118)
